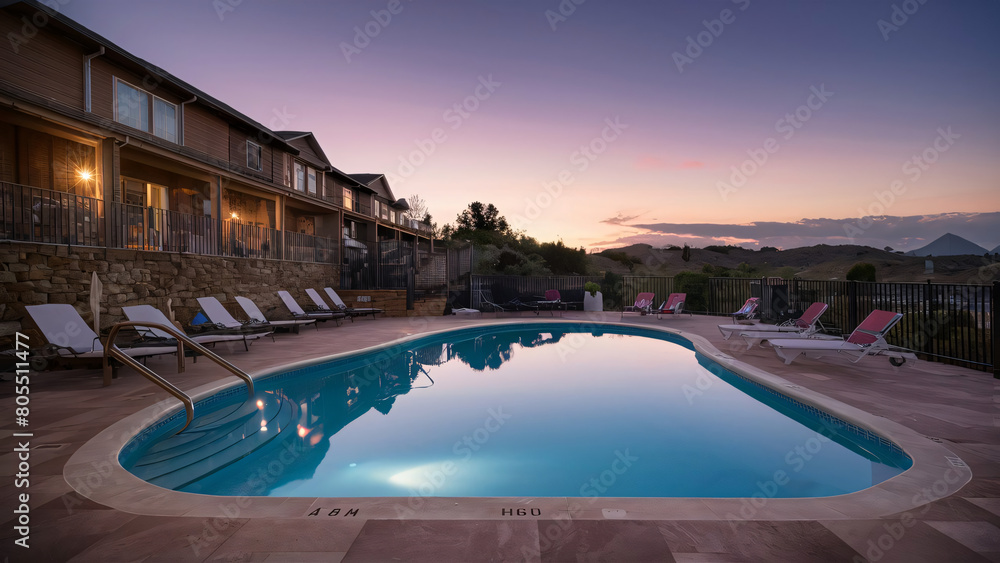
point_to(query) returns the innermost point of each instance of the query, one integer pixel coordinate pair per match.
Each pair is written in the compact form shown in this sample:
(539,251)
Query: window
(312,181)
(300,177)
(348,199)
(253,156)
(392,216)
(164,120)
(132,107)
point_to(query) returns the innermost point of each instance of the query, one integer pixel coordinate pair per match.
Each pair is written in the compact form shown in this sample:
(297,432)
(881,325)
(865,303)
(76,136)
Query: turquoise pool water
(536,410)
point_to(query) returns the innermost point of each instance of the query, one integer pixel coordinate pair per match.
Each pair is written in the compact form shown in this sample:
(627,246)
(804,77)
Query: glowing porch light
(260,404)
(85,175)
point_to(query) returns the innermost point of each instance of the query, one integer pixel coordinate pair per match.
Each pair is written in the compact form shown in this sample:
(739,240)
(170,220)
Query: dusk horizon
(602,125)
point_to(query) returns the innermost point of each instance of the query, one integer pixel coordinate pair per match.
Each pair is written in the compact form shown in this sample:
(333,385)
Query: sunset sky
(606,123)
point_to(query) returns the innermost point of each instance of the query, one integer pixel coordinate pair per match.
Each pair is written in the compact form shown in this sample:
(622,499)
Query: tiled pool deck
(958,409)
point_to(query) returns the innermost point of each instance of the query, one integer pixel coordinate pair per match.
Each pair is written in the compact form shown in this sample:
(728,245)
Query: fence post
(852,305)
(994,323)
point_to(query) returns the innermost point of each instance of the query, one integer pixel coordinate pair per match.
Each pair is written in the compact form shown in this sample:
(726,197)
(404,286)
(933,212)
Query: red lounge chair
(866,340)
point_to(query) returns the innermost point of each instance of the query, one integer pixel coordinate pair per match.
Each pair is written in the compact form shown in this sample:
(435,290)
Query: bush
(862,271)
(695,284)
(591,288)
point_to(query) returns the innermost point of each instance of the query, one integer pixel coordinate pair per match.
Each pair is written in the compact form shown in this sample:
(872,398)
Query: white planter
(593,302)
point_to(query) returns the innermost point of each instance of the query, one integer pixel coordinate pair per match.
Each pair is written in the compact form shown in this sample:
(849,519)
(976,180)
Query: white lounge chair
(866,340)
(350,311)
(71,337)
(297,312)
(254,314)
(150,314)
(805,324)
(218,315)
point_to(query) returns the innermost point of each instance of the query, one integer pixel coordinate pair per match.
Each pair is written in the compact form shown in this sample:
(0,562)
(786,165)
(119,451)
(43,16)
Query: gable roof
(309,148)
(379,184)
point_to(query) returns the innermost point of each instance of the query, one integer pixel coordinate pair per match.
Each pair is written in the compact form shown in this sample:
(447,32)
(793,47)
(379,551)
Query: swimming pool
(546,410)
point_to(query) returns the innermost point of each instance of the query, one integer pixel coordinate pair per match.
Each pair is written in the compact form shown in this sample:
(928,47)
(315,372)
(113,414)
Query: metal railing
(30,214)
(943,322)
(149,228)
(527,288)
(112,351)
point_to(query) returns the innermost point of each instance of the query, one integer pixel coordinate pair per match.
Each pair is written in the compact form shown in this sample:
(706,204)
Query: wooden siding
(307,153)
(238,154)
(206,133)
(45,64)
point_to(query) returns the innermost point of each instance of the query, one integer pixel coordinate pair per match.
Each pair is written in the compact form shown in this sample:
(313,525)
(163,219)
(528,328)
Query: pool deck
(955,407)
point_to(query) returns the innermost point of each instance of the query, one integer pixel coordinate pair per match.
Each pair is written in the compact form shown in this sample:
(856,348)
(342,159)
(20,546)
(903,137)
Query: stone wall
(32,274)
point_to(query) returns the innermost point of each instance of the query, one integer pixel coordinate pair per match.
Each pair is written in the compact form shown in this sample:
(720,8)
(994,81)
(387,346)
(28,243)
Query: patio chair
(71,338)
(298,313)
(866,340)
(350,311)
(643,304)
(254,314)
(804,324)
(674,305)
(748,310)
(552,301)
(150,314)
(220,317)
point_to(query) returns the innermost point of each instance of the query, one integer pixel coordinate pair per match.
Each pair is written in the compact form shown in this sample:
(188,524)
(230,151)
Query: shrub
(862,271)
(695,284)
(591,288)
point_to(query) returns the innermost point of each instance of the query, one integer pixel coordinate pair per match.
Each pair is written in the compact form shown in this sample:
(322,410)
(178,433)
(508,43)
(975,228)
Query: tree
(418,208)
(686,253)
(479,217)
(862,271)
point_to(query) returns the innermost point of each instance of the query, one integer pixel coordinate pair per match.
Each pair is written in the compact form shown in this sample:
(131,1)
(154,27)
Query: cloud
(901,233)
(692,165)
(620,219)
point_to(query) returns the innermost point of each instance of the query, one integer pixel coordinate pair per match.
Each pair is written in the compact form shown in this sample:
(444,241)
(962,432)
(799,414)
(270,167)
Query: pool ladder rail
(113,351)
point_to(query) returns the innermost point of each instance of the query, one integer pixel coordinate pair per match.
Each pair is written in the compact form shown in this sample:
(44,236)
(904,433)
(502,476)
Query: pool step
(213,450)
(203,429)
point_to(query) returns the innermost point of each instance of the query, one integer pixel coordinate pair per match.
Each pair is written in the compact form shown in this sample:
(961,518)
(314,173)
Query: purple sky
(606,125)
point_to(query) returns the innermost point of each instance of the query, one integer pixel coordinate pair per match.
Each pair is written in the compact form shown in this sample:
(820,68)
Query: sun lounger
(299,313)
(866,340)
(643,304)
(254,314)
(218,315)
(150,314)
(70,336)
(747,311)
(804,324)
(350,311)
(674,305)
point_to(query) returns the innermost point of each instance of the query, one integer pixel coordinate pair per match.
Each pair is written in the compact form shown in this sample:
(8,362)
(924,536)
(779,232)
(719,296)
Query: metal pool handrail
(111,350)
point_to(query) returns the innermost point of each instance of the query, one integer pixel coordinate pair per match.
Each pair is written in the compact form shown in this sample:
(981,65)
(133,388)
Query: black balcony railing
(149,228)
(36,215)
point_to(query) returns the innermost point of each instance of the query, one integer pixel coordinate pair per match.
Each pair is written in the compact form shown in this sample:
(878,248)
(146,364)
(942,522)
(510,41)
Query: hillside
(820,262)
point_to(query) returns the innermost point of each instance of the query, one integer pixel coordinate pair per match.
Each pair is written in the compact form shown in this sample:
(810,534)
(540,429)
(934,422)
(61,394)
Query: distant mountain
(949,245)
(996,250)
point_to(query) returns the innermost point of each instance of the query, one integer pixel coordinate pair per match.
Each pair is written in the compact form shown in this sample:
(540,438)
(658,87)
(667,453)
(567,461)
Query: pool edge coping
(95,473)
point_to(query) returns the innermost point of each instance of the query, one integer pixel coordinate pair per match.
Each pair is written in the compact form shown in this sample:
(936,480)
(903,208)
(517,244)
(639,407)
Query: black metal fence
(377,265)
(528,288)
(945,322)
(46,216)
